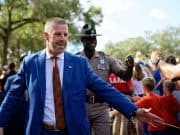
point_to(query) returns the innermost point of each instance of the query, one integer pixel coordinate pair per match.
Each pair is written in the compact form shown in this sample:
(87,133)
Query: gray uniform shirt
(103,65)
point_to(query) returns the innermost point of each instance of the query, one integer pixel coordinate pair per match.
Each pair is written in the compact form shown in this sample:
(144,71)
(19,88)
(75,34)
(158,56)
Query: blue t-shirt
(157,77)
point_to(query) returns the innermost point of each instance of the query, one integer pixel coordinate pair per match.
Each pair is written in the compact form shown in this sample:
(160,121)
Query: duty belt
(93,99)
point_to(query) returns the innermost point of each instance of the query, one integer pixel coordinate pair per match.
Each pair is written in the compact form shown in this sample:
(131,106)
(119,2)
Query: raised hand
(129,61)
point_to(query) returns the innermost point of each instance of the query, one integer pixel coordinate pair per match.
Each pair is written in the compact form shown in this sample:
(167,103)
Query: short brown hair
(53,21)
(149,83)
(138,72)
(168,84)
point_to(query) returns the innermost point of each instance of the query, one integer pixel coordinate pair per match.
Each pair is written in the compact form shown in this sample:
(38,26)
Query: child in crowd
(176,93)
(151,100)
(169,107)
(137,78)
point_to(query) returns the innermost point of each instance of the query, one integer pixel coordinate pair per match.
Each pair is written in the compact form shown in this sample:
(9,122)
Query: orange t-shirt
(151,101)
(169,109)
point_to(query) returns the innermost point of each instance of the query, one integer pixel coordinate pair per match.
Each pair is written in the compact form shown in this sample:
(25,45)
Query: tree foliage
(93,15)
(21,23)
(166,41)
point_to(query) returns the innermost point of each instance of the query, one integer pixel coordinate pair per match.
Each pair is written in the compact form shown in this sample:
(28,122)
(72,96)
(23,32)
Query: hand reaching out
(1,131)
(146,116)
(129,61)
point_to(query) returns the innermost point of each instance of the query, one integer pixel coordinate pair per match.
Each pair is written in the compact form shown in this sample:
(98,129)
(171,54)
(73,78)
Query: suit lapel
(68,68)
(67,76)
(40,65)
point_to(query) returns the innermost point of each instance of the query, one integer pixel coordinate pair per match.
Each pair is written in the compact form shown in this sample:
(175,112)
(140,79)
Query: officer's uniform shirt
(102,65)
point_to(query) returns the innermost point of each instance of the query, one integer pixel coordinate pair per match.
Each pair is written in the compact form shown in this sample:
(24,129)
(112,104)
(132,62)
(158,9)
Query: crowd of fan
(147,88)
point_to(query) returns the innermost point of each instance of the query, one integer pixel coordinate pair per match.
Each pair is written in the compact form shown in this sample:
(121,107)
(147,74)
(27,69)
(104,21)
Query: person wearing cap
(103,65)
(75,76)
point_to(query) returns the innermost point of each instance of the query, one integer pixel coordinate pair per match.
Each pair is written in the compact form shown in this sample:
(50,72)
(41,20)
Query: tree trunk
(5,49)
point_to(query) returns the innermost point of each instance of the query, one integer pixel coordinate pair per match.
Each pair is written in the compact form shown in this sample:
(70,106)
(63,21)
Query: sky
(125,19)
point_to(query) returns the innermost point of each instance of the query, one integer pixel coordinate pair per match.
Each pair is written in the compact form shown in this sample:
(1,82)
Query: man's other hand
(146,116)
(1,131)
(129,61)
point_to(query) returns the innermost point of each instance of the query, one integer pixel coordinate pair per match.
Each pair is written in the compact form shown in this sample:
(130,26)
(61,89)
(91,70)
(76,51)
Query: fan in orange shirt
(169,107)
(151,100)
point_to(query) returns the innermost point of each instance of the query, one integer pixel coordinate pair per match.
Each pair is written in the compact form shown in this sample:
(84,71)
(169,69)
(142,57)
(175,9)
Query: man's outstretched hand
(146,116)
(1,131)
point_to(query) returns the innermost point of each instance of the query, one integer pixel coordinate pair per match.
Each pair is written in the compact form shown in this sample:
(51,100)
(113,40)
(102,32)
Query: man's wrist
(1,131)
(133,114)
(157,62)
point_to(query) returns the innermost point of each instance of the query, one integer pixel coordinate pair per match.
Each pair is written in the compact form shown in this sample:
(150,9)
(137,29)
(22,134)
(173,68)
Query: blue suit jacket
(78,76)
(17,122)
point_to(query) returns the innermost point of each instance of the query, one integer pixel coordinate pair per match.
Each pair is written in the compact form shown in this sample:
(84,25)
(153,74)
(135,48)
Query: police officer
(103,65)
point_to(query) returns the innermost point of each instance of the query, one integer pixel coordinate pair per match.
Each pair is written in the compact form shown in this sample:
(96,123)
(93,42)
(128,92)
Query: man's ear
(46,35)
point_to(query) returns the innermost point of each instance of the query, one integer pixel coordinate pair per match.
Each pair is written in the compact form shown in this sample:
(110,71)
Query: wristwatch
(133,114)
(157,62)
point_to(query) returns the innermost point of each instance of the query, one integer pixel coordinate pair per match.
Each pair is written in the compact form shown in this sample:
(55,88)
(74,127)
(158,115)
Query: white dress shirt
(49,112)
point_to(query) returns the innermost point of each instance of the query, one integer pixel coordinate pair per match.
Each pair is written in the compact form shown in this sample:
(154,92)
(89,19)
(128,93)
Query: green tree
(93,16)
(21,23)
(129,46)
(167,41)
(13,15)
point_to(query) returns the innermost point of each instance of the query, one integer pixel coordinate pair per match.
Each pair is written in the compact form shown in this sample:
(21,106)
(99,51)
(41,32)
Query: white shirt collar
(49,55)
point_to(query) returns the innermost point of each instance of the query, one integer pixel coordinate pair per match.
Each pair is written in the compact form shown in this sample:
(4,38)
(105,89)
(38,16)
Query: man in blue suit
(35,75)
